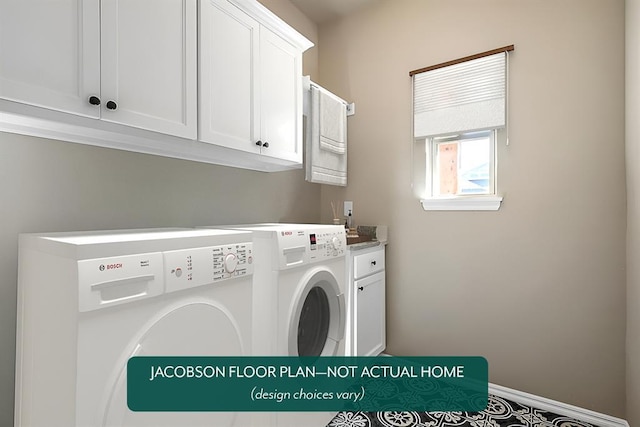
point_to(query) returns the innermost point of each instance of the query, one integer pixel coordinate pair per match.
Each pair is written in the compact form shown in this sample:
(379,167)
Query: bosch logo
(287,233)
(110,266)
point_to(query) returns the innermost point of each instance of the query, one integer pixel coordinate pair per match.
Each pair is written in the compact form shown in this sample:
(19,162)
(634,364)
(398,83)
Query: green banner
(307,383)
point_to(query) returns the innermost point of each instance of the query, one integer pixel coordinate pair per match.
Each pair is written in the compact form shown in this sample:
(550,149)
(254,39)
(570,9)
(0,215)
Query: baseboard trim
(586,415)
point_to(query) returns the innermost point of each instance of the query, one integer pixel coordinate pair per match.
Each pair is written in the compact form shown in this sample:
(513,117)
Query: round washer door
(196,329)
(317,322)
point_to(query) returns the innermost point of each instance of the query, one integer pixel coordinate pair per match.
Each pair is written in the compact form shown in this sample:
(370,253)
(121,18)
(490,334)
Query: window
(458,109)
(462,164)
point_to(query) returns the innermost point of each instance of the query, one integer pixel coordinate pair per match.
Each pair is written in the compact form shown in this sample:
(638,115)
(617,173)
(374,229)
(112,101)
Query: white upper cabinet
(50,53)
(216,81)
(250,80)
(280,97)
(229,115)
(131,62)
(148,65)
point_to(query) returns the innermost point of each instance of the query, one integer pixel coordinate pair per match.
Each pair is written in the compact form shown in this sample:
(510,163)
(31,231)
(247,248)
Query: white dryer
(299,297)
(87,302)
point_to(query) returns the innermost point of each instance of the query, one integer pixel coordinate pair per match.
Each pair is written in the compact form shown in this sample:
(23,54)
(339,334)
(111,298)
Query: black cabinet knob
(259,143)
(373,263)
(111,105)
(361,288)
(265,145)
(94,100)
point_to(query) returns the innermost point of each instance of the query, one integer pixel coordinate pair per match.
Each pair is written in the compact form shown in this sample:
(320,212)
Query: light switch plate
(348,206)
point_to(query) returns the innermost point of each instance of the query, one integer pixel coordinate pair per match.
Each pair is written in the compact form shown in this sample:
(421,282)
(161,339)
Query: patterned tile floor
(500,412)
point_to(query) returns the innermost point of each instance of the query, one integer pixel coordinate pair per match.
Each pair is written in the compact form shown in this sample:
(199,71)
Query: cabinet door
(50,53)
(370,318)
(280,97)
(228,107)
(148,68)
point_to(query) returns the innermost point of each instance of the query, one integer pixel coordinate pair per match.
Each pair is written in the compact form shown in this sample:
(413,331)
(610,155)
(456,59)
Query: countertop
(367,237)
(363,245)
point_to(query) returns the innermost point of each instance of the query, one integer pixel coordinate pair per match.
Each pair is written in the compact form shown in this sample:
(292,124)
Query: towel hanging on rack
(333,123)
(326,138)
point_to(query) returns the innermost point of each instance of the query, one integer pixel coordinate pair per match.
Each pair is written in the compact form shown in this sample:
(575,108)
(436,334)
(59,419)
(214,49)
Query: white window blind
(462,97)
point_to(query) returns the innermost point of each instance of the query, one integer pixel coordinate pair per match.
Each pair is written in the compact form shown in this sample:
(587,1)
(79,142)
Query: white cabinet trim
(86,131)
(273,22)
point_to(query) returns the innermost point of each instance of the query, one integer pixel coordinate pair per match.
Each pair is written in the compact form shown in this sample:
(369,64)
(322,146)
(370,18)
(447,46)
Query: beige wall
(538,288)
(633,209)
(294,17)
(55,186)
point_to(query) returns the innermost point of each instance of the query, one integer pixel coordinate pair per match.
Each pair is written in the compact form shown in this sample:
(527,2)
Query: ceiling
(321,11)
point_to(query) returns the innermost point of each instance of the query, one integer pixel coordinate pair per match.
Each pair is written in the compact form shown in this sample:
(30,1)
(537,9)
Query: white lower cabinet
(370,315)
(367,291)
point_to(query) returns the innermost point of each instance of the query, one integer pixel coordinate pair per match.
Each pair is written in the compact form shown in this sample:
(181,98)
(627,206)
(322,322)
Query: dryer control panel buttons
(189,268)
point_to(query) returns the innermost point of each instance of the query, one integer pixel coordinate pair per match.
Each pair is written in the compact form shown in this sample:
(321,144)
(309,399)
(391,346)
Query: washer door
(317,322)
(197,329)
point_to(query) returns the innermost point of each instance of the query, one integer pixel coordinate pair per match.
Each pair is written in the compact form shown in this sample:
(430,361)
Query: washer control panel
(297,246)
(188,268)
(327,244)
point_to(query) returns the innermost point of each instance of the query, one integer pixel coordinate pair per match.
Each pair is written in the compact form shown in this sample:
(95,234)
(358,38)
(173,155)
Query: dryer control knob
(230,263)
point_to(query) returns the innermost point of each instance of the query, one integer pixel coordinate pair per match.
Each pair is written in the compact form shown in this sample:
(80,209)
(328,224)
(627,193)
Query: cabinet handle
(361,288)
(265,145)
(373,263)
(111,105)
(94,100)
(259,143)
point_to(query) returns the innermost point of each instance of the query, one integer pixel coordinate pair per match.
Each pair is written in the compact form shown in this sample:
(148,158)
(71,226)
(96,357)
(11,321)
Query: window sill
(462,203)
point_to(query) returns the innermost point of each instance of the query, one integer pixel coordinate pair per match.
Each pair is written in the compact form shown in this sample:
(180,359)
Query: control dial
(335,244)
(230,262)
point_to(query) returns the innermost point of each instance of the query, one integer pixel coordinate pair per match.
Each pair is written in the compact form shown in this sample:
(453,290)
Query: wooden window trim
(461,60)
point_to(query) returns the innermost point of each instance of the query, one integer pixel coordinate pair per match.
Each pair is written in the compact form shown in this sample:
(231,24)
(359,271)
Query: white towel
(333,121)
(326,140)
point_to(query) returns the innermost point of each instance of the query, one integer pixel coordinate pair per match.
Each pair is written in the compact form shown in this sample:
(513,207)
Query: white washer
(87,302)
(299,297)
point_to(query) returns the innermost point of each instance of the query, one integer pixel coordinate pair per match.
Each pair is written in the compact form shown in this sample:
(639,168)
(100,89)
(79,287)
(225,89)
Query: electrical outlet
(348,206)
